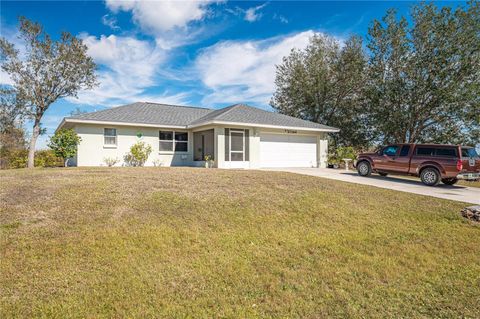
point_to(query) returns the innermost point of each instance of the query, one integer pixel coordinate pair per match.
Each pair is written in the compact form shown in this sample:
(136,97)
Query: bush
(64,144)
(341,152)
(111,161)
(138,155)
(47,158)
(17,158)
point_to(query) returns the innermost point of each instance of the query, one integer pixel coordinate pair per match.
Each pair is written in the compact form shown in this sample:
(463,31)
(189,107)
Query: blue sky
(209,53)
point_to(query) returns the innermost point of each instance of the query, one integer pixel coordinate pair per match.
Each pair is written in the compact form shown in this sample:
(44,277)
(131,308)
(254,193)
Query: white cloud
(127,68)
(281,18)
(244,71)
(110,22)
(253,14)
(156,17)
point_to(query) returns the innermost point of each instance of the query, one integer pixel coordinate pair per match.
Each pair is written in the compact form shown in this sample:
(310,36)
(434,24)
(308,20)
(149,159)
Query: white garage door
(284,150)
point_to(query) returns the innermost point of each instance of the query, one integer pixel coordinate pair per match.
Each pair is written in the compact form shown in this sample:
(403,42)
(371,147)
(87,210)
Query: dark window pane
(227,146)
(237,157)
(181,136)
(110,132)
(166,146)
(247,146)
(425,151)
(390,150)
(166,135)
(450,152)
(405,150)
(237,141)
(181,146)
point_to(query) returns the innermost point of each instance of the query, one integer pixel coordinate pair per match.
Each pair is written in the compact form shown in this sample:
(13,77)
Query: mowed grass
(469,183)
(185,242)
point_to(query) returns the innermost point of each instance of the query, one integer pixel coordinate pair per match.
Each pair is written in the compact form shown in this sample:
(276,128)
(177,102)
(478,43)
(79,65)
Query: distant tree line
(411,82)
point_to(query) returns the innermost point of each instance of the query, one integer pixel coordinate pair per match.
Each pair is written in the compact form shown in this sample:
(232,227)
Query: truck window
(425,151)
(404,151)
(448,152)
(469,152)
(390,150)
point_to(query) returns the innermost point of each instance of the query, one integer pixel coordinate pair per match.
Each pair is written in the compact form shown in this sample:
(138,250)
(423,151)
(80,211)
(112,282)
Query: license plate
(471,176)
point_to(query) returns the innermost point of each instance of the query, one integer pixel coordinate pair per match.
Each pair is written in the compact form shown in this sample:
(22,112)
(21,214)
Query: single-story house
(238,136)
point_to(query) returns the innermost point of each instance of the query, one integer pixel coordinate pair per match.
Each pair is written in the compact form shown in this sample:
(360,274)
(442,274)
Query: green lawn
(181,242)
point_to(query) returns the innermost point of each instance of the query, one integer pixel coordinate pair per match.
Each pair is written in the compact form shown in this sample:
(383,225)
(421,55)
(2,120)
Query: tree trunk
(33,142)
(66,162)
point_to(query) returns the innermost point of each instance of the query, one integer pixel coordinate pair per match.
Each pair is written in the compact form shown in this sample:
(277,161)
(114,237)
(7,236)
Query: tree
(50,70)
(324,84)
(12,135)
(139,153)
(64,144)
(424,79)
(12,108)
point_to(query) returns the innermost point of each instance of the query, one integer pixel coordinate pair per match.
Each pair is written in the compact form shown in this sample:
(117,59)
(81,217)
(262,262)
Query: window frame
(108,145)
(243,144)
(173,141)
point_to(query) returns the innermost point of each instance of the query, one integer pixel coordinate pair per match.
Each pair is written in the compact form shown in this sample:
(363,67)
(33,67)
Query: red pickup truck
(431,162)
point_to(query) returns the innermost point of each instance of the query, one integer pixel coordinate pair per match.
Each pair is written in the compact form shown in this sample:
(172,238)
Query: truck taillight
(459,165)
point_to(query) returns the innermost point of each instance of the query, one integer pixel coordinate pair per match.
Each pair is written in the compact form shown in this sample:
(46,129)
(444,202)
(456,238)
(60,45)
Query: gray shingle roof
(147,113)
(174,115)
(241,113)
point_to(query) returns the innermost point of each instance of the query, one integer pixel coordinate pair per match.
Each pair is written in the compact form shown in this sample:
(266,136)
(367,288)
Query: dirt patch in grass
(184,242)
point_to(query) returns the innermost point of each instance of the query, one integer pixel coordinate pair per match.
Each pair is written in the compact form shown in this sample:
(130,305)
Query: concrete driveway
(457,193)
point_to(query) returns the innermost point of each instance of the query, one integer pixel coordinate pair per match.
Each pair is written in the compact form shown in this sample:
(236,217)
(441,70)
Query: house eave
(113,123)
(296,128)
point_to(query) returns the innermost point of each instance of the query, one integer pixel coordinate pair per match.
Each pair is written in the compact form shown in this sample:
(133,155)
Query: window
(404,151)
(469,152)
(390,150)
(166,141)
(448,152)
(110,136)
(425,151)
(170,141)
(181,142)
(237,145)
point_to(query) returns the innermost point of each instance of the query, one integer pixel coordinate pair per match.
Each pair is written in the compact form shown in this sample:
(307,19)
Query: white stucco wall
(92,151)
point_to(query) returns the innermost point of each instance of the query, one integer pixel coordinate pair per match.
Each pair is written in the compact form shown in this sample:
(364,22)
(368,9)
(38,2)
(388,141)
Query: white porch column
(322,150)
(219,138)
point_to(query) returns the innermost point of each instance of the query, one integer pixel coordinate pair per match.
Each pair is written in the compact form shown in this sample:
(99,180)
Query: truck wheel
(382,174)
(364,169)
(450,181)
(430,176)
